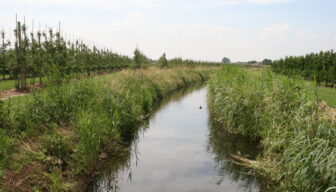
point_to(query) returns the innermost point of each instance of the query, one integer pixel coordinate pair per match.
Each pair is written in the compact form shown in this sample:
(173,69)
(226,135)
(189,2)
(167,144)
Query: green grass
(325,94)
(298,142)
(66,127)
(10,84)
(328,95)
(7,84)
(6,77)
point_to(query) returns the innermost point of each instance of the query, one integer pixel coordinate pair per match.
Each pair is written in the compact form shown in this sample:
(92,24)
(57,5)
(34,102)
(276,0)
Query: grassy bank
(326,94)
(61,133)
(298,142)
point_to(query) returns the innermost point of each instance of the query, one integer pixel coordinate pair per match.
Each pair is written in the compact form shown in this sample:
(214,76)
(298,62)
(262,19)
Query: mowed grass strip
(328,95)
(7,84)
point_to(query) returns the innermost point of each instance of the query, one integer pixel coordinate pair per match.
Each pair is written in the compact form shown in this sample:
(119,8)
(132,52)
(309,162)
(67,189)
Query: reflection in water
(179,151)
(223,145)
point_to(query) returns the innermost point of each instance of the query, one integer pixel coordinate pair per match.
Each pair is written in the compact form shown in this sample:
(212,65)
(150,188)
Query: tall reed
(63,130)
(298,142)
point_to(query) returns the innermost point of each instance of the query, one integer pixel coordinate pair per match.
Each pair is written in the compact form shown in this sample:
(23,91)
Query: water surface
(181,150)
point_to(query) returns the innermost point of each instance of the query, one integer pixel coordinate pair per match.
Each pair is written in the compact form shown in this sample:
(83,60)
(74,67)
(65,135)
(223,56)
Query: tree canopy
(163,62)
(226,60)
(140,59)
(267,62)
(252,62)
(320,67)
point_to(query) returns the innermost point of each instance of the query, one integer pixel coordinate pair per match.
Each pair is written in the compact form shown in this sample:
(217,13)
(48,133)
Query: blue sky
(197,29)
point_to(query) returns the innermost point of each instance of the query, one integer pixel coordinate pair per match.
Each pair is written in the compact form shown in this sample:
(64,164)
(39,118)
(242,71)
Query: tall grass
(299,151)
(65,128)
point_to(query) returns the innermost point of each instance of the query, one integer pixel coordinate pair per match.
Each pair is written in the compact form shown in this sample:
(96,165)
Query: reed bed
(299,145)
(62,132)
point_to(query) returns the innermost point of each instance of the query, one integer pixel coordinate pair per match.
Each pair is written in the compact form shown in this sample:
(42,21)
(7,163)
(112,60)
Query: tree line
(36,54)
(320,67)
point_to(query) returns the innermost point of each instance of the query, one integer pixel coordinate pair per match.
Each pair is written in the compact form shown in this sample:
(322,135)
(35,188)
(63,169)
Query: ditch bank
(58,135)
(298,142)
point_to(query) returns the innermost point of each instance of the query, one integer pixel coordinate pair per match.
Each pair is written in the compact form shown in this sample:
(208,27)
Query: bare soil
(15,93)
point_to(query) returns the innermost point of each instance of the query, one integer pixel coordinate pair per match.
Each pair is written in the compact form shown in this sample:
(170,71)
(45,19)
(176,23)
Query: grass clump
(57,145)
(298,142)
(63,129)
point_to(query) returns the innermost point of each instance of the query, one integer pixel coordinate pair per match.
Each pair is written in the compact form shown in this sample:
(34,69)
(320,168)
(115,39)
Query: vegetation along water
(296,135)
(53,137)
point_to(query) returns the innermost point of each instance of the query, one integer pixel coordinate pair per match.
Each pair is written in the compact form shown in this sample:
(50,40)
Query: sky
(241,30)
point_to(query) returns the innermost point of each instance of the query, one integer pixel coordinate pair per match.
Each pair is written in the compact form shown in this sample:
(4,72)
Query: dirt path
(12,93)
(6,94)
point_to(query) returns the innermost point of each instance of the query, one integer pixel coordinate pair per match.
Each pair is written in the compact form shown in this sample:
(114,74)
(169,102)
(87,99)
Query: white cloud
(270,1)
(276,32)
(198,41)
(306,34)
(201,40)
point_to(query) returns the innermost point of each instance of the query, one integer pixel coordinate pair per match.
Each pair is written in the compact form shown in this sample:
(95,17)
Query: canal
(181,149)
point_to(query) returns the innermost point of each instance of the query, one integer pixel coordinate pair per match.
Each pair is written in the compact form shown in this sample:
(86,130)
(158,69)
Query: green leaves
(140,59)
(320,67)
(163,62)
(36,54)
